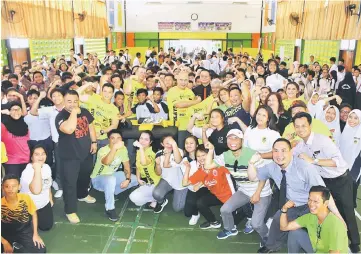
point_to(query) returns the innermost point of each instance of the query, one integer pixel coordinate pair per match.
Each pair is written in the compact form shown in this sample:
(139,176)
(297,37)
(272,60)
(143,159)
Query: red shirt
(17,148)
(218,181)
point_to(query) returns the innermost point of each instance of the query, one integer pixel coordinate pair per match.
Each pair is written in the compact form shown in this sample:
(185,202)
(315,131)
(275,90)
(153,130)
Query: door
(19,56)
(348,57)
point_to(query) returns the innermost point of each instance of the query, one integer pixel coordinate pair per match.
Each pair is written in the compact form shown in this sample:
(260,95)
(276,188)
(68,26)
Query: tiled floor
(140,231)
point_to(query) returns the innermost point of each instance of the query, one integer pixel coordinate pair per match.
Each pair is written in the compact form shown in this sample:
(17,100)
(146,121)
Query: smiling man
(294,177)
(325,233)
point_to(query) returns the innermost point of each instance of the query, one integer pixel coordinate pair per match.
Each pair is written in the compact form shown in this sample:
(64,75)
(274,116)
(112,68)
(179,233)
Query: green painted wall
(289,49)
(323,50)
(4,54)
(146,36)
(239,36)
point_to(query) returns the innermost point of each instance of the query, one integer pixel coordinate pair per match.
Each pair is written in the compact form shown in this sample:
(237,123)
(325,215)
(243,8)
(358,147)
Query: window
(16,43)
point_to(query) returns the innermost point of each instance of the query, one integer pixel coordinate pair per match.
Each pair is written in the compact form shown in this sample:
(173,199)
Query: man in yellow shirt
(317,125)
(104,112)
(134,83)
(179,99)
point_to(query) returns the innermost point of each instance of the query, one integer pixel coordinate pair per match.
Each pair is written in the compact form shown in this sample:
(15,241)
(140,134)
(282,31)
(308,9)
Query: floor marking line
(134,240)
(85,224)
(110,239)
(357,215)
(151,238)
(137,210)
(132,233)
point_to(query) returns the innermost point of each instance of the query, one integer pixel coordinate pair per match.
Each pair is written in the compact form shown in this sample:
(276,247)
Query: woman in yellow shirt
(293,93)
(146,174)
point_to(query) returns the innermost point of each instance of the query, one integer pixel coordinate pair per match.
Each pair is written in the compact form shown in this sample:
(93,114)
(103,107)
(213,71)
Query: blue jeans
(110,185)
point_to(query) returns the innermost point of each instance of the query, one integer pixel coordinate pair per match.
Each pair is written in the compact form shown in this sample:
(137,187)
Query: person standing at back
(77,144)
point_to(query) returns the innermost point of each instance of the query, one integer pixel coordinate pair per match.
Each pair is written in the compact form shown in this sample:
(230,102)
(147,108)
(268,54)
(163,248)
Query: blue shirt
(240,113)
(300,177)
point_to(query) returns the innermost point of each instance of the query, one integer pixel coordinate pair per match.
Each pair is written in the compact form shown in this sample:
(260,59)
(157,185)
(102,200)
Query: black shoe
(354,248)
(159,207)
(112,215)
(207,225)
(264,249)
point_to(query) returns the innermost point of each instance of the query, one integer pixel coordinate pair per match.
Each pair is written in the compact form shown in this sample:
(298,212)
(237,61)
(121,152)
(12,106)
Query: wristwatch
(102,132)
(283,211)
(94,142)
(128,179)
(315,161)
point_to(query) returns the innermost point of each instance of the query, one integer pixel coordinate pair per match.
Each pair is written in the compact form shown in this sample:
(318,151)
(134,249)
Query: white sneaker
(58,194)
(88,199)
(194,220)
(55,186)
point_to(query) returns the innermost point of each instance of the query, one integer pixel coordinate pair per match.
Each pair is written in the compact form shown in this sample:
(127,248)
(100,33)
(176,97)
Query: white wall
(144,17)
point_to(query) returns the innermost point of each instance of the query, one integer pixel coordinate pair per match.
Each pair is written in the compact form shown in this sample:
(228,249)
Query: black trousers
(190,207)
(23,242)
(342,190)
(45,217)
(355,188)
(205,202)
(14,169)
(48,146)
(76,179)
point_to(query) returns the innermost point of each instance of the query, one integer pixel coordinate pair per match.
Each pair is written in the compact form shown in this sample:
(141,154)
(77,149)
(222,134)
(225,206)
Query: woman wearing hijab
(330,116)
(15,135)
(350,146)
(347,89)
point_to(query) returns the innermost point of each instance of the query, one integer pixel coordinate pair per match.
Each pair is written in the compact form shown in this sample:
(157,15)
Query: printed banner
(206,26)
(182,26)
(223,26)
(166,26)
(215,26)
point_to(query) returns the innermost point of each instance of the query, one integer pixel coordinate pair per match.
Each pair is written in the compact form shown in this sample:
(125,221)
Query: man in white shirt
(127,56)
(333,64)
(136,61)
(147,53)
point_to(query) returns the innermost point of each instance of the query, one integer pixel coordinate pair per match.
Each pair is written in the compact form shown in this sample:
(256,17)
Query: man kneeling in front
(107,178)
(325,233)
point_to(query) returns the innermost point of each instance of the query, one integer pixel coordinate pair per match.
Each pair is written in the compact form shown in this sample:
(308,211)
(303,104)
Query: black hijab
(16,127)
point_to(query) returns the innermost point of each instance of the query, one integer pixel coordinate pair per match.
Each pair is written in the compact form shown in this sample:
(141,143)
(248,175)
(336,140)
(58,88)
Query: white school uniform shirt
(275,81)
(42,199)
(172,175)
(358,83)
(39,129)
(136,62)
(161,114)
(50,113)
(260,140)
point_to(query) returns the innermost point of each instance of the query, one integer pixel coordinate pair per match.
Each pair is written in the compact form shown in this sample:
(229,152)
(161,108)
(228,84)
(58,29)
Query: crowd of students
(279,146)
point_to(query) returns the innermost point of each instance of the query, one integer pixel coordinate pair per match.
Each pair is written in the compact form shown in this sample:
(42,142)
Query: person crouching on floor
(107,178)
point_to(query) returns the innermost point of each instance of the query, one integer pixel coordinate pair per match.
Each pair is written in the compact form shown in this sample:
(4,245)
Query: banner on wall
(165,26)
(215,26)
(174,26)
(182,26)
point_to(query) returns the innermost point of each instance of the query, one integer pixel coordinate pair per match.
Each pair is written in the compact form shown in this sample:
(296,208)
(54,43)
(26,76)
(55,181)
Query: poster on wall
(223,26)
(165,26)
(182,26)
(206,26)
(215,26)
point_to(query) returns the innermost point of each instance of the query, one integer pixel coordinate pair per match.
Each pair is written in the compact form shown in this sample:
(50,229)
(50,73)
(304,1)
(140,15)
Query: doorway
(193,46)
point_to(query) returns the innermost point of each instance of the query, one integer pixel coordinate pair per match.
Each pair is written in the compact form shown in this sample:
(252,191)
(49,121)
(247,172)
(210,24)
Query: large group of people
(276,145)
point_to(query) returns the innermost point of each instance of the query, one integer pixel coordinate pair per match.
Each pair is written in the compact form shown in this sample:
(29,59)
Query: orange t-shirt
(218,181)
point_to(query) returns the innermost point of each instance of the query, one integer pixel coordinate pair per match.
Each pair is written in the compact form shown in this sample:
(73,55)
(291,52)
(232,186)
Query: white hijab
(350,142)
(333,126)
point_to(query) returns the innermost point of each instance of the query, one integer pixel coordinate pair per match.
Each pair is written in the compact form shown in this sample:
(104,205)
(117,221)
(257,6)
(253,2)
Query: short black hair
(326,194)
(108,85)
(118,93)
(283,63)
(56,90)
(340,68)
(296,104)
(235,88)
(11,177)
(114,131)
(312,73)
(169,75)
(142,90)
(333,59)
(282,140)
(71,92)
(36,147)
(150,76)
(151,136)
(159,89)
(6,84)
(301,115)
(357,69)
(31,92)
(12,75)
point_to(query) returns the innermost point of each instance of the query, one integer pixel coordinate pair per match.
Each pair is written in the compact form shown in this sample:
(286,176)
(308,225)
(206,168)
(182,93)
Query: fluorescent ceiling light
(153,2)
(194,2)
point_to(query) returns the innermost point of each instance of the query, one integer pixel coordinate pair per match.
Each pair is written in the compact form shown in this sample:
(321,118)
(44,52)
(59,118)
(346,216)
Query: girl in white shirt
(261,134)
(330,116)
(36,181)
